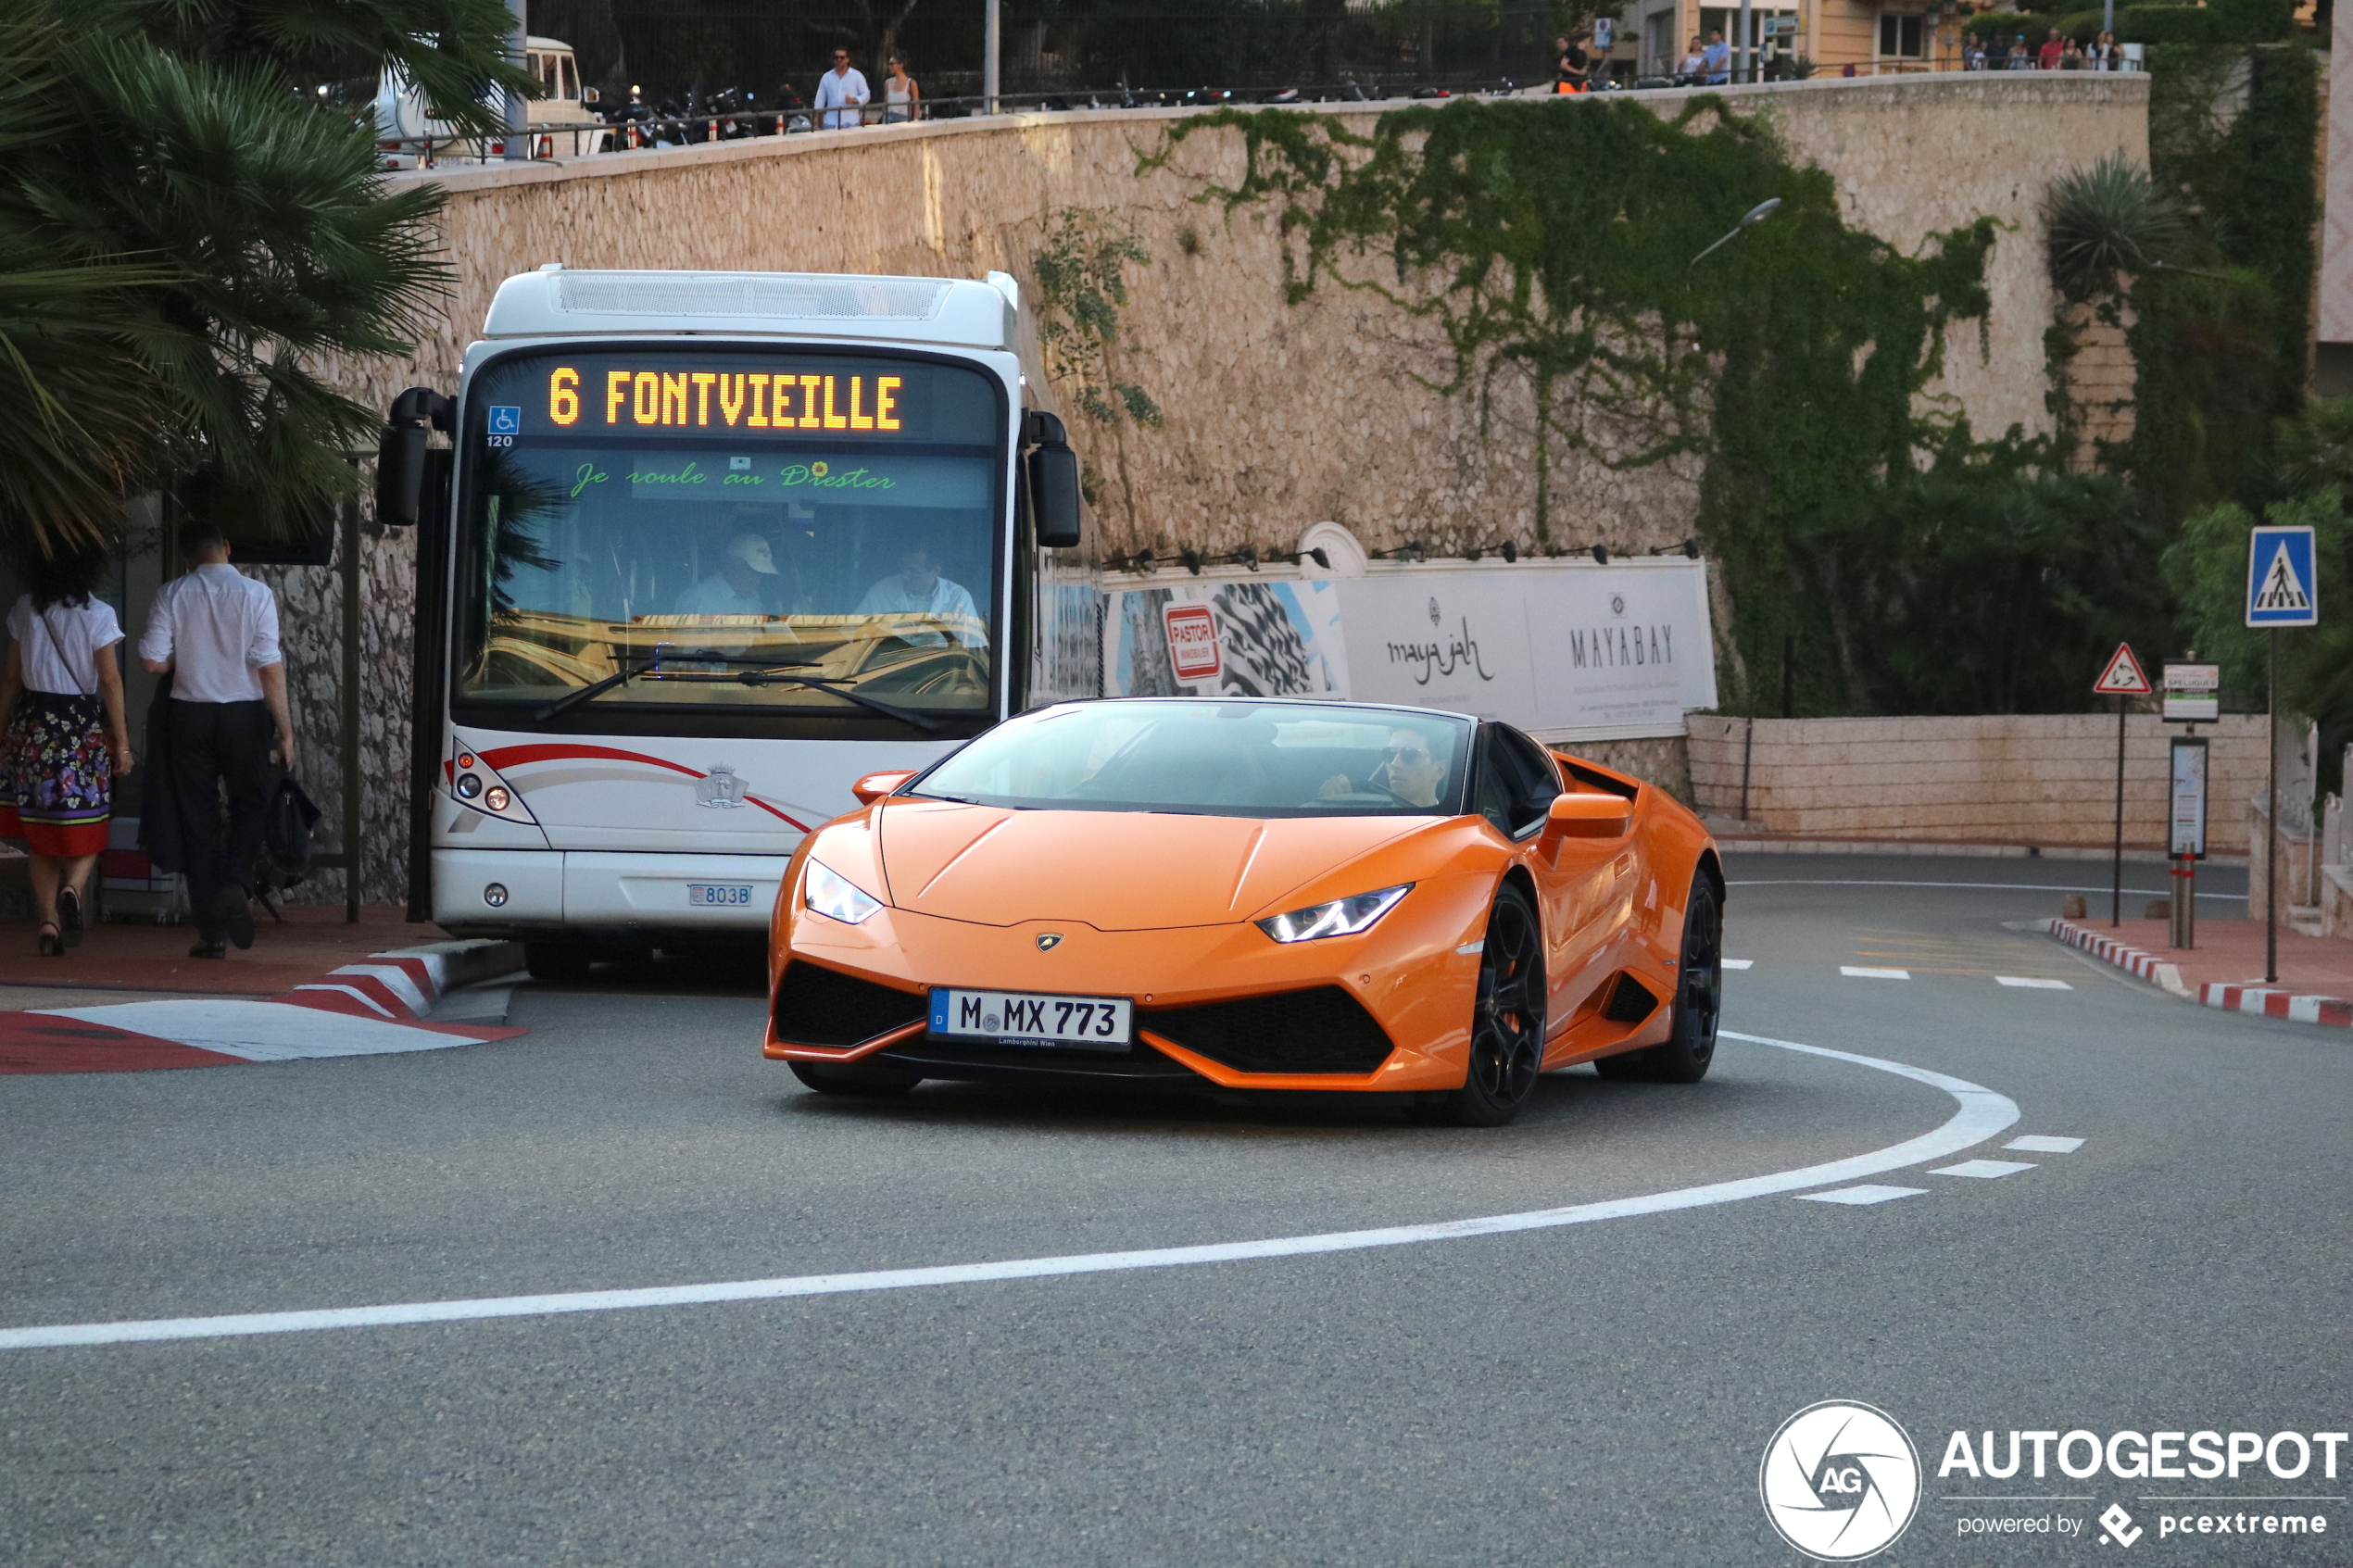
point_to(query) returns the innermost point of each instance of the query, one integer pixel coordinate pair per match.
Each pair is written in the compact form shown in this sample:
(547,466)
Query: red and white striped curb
(2277,1004)
(371,1008)
(2260,1000)
(2108,949)
(399,984)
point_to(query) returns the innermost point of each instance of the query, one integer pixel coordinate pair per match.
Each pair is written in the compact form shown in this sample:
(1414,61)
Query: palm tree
(186,234)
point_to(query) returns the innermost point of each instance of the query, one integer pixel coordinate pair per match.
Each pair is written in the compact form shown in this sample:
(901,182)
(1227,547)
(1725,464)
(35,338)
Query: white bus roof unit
(563,302)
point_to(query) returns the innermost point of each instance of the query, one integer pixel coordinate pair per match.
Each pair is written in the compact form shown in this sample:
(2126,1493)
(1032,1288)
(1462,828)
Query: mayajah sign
(1569,650)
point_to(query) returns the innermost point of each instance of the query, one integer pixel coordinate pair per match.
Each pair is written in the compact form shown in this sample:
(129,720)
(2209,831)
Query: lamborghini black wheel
(1507,1017)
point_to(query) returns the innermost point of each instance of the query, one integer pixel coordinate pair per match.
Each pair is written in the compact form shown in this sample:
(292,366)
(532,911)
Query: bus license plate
(718,895)
(1019,1019)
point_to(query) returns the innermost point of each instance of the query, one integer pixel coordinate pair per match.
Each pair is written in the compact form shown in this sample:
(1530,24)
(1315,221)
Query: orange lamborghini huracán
(1238,894)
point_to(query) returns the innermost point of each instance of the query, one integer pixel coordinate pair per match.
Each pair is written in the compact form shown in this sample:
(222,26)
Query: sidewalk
(131,999)
(154,957)
(2226,969)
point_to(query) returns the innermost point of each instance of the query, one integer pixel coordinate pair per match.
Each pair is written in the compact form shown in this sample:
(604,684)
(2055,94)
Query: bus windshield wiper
(597,688)
(843,690)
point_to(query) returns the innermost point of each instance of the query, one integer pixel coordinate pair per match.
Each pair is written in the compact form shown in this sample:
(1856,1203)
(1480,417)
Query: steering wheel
(1377,796)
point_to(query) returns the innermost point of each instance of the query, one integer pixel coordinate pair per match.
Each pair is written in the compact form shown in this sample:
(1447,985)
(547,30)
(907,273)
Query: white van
(562,123)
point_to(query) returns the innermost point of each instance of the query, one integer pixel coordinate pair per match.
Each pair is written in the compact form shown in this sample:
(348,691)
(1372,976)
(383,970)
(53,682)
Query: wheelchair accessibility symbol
(506,420)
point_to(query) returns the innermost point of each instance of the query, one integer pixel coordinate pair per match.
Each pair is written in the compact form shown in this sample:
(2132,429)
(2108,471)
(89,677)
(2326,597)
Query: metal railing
(656,129)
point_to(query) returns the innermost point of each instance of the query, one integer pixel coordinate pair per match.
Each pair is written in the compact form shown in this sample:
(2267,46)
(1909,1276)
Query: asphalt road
(1602,1392)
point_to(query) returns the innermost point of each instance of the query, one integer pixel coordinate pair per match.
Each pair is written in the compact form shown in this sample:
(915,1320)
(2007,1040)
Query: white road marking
(1737,963)
(1999,887)
(1852,973)
(2029,983)
(1984,1169)
(1866,1193)
(263,1031)
(1981,1115)
(2037,1143)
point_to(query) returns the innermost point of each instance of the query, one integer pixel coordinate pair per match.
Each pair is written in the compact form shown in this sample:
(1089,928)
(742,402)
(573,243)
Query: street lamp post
(518,107)
(1749,220)
(992,51)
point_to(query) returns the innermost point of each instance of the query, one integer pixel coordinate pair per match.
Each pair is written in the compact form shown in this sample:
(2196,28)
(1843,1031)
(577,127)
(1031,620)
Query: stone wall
(1275,415)
(310,624)
(2037,779)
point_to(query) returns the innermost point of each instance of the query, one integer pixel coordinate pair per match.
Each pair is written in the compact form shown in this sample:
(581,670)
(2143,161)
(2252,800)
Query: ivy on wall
(1079,275)
(1880,558)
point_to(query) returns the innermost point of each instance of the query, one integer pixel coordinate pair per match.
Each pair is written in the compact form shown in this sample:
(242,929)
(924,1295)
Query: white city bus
(712,546)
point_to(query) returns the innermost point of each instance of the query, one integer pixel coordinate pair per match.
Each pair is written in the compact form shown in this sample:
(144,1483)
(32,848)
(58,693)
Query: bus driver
(918,589)
(734,589)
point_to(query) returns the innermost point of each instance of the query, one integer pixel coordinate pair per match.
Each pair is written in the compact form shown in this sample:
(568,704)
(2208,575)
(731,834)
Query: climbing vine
(1555,254)
(1080,275)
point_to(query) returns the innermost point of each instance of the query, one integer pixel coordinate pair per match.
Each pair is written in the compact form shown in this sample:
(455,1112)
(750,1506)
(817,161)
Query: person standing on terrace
(841,96)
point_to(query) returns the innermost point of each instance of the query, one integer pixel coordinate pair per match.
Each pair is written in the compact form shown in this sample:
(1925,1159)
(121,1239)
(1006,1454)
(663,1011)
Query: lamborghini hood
(1114,870)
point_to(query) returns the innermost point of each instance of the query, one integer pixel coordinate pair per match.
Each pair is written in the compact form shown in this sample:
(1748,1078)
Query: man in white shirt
(215,632)
(918,589)
(734,589)
(841,94)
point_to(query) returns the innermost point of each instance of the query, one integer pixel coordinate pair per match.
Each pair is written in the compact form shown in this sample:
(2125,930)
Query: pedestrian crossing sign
(2123,676)
(2281,587)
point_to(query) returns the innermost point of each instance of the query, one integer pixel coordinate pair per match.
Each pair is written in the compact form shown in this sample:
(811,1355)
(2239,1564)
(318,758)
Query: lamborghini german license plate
(1011,1018)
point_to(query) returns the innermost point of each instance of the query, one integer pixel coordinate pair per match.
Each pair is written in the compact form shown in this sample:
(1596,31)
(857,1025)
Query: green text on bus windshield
(843,542)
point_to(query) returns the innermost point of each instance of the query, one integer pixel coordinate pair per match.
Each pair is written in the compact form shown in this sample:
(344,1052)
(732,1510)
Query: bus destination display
(796,397)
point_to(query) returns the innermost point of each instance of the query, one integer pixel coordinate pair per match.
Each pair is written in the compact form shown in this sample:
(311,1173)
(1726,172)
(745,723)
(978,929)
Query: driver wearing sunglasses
(1408,770)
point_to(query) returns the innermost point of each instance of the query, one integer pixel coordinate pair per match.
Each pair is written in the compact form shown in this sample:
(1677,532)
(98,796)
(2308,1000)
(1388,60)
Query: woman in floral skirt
(66,736)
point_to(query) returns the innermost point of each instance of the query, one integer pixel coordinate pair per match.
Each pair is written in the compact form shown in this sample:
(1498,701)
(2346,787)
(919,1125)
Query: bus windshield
(758,529)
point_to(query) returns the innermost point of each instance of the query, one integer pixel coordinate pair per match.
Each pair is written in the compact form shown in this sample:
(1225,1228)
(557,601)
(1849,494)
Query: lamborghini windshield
(1236,758)
(754,530)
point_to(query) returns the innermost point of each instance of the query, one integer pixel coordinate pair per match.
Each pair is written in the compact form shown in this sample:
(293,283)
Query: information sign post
(2123,679)
(2185,832)
(2282,590)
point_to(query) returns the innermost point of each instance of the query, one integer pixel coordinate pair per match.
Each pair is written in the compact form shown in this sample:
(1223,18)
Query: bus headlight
(469,785)
(496,797)
(835,895)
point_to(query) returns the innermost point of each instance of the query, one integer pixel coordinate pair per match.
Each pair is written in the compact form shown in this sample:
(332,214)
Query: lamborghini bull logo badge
(1048,940)
(720,788)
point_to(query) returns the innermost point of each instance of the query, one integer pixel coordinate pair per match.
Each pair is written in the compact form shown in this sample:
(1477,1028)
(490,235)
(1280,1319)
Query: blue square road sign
(2281,587)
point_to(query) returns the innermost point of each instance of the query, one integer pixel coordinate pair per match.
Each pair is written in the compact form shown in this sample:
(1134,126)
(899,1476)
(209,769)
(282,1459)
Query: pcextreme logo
(1840,1481)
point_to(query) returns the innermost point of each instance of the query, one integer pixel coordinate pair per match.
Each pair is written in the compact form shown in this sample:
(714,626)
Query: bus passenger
(735,588)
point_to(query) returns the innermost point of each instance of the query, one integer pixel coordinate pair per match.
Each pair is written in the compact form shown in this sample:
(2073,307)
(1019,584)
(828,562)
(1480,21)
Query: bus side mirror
(1053,481)
(404,458)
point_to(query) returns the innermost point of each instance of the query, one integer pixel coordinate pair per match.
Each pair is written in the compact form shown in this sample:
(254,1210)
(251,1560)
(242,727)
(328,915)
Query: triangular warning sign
(2282,590)
(2123,677)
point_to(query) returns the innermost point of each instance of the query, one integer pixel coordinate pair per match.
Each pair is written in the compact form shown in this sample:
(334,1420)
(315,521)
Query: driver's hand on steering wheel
(1339,783)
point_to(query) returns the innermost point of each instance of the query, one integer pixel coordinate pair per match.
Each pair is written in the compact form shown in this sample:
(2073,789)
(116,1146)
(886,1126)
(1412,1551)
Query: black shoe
(232,907)
(70,916)
(209,950)
(52,945)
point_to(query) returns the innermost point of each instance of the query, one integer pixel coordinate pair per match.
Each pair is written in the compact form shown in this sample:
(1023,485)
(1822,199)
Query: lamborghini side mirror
(1581,815)
(874,787)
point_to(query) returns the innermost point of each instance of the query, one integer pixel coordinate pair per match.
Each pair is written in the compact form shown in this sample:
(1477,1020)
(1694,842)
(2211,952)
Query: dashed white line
(1737,963)
(2031,983)
(2040,1143)
(1982,1114)
(1854,973)
(1985,1170)
(1866,1193)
